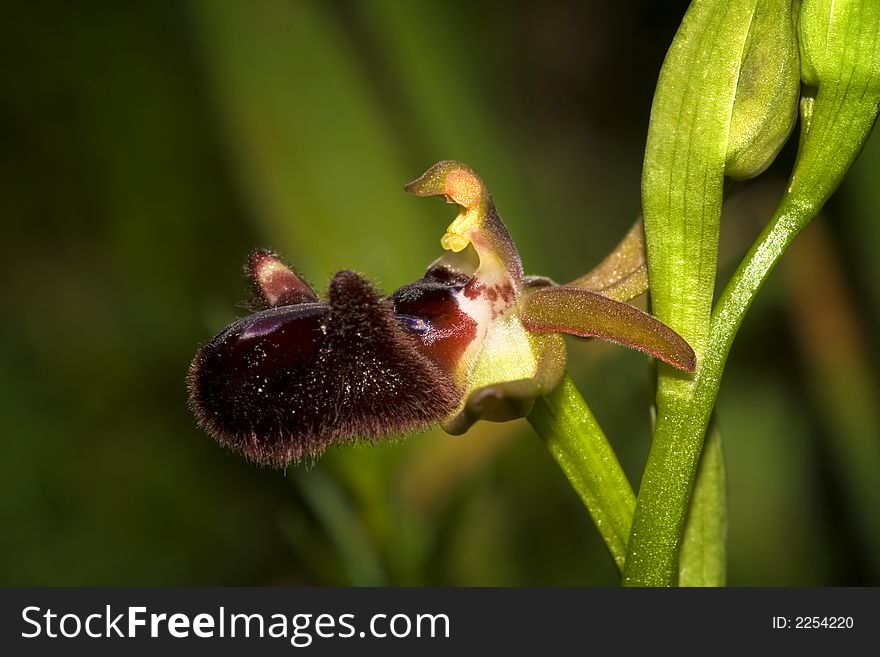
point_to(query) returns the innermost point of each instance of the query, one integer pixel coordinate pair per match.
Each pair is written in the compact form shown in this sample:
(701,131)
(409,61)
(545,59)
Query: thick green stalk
(682,189)
(678,438)
(841,49)
(574,438)
(834,133)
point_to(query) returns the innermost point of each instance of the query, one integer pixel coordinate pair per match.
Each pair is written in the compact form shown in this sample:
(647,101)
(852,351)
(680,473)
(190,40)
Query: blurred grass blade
(450,110)
(836,354)
(861,221)
(703,558)
(343,525)
(275,68)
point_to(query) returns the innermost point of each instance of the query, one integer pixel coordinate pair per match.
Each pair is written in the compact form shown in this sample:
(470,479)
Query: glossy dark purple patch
(289,381)
(429,309)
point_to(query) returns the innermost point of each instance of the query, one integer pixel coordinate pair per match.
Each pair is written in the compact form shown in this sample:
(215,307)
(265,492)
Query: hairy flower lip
(285,383)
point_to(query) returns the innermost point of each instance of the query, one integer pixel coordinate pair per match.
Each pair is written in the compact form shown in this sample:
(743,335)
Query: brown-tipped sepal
(288,382)
(589,315)
(275,282)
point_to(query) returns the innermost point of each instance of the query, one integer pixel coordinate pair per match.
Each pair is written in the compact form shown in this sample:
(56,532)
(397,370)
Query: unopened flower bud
(838,42)
(765,106)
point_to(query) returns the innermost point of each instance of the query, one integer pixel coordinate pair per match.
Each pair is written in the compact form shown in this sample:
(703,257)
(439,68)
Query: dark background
(147,147)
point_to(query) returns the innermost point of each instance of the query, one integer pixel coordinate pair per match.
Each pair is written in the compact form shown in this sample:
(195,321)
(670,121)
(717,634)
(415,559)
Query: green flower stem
(574,438)
(682,192)
(678,439)
(834,128)
(840,57)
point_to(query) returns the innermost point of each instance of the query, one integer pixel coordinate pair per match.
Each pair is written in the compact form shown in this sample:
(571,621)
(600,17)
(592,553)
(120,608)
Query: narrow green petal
(590,315)
(623,274)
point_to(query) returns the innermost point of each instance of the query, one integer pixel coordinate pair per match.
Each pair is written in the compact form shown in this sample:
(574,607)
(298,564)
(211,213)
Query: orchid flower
(473,339)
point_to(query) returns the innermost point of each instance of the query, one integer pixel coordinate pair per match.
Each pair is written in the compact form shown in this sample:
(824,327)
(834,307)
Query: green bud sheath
(840,53)
(686,159)
(765,106)
(839,42)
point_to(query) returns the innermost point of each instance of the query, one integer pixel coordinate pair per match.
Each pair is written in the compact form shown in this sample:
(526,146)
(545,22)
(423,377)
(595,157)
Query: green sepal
(623,274)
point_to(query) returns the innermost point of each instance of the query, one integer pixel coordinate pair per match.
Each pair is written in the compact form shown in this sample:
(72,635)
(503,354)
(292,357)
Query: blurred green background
(147,147)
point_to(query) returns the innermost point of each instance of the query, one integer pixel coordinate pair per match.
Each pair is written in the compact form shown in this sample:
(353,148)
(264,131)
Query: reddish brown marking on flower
(507,293)
(448,339)
(473,289)
(492,293)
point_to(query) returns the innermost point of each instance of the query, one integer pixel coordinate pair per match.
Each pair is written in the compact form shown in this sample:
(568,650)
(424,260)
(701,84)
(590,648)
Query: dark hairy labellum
(289,381)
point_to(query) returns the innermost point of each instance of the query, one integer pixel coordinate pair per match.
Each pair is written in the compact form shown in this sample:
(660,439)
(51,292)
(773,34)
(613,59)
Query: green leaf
(703,560)
(682,190)
(835,122)
(685,155)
